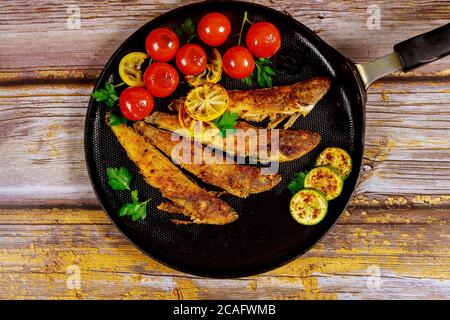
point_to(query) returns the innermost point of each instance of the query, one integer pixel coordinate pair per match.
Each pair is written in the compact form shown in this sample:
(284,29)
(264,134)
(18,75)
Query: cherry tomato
(161,79)
(162,44)
(238,62)
(191,59)
(263,39)
(214,29)
(135,103)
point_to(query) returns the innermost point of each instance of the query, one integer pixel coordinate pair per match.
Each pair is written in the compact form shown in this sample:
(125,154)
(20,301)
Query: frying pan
(265,236)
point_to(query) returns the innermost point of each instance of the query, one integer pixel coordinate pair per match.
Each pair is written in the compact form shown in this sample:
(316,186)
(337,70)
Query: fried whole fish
(292,144)
(159,172)
(236,179)
(276,103)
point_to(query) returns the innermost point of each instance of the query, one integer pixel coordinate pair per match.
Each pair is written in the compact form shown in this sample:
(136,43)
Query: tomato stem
(242,27)
(191,37)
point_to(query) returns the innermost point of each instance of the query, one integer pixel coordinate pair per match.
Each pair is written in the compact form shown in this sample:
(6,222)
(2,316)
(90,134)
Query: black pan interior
(265,236)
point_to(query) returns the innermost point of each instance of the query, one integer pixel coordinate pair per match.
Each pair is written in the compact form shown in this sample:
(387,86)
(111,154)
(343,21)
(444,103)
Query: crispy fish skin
(159,172)
(275,103)
(293,144)
(238,180)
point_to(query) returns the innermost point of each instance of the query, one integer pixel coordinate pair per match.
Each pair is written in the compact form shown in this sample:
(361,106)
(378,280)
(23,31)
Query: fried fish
(276,103)
(159,172)
(292,144)
(236,179)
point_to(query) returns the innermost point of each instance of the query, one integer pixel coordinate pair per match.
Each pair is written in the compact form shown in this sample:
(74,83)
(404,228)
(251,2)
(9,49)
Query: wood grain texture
(397,223)
(36,252)
(25,26)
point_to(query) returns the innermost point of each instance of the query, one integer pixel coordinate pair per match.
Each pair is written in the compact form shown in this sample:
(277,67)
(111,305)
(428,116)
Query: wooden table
(393,242)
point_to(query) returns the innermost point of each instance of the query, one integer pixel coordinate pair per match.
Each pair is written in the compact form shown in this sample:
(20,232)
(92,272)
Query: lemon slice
(212,72)
(197,128)
(206,102)
(184,119)
(130,69)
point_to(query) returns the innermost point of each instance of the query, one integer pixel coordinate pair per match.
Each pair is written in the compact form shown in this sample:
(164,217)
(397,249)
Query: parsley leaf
(116,119)
(248,81)
(226,123)
(264,73)
(100,95)
(298,183)
(186,30)
(108,95)
(137,210)
(119,178)
(134,196)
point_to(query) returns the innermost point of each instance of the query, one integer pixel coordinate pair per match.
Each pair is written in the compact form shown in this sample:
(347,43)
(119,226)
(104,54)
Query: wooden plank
(356,214)
(392,242)
(61,53)
(42,132)
(144,286)
(345,264)
(43,127)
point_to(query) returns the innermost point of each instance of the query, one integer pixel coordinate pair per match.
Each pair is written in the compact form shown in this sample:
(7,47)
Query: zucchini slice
(325,179)
(338,159)
(308,207)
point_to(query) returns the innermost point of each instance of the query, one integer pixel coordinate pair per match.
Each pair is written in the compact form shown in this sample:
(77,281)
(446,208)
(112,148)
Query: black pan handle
(408,55)
(424,48)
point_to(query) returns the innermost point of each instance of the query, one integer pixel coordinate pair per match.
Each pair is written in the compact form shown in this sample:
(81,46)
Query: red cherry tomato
(238,62)
(191,59)
(135,103)
(214,29)
(162,44)
(161,79)
(263,39)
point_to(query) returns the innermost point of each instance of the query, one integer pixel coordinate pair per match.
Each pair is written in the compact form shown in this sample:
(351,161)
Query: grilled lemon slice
(206,102)
(197,128)
(212,72)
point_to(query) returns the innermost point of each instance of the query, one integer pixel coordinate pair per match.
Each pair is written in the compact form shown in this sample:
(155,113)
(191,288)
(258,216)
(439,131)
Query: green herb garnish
(298,183)
(119,178)
(116,119)
(226,123)
(186,31)
(264,73)
(134,196)
(244,21)
(137,210)
(248,81)
(107,95)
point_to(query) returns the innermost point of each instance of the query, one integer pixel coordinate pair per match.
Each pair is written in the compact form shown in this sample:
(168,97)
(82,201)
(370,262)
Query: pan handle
(424,48)
(408,55)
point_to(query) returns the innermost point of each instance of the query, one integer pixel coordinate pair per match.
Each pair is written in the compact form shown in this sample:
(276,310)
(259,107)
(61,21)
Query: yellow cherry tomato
(130,69)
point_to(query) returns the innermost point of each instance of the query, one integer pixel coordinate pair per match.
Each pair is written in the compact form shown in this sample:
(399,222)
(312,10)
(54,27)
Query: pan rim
(286,258)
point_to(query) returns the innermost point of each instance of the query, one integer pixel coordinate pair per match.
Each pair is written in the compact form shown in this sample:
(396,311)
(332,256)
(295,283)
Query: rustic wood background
(397,225)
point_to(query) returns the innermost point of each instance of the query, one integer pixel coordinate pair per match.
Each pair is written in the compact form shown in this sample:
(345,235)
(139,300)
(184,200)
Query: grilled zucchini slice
(308,207)
(338,159)
(325,179)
